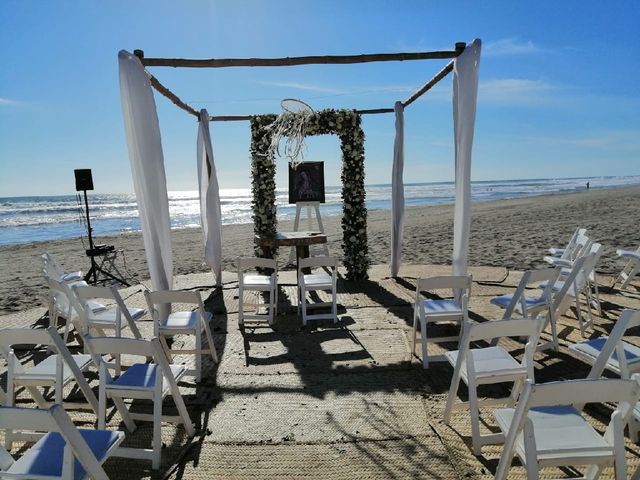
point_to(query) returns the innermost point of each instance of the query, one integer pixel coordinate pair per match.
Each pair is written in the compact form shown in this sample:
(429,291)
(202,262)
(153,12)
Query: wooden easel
(311,207)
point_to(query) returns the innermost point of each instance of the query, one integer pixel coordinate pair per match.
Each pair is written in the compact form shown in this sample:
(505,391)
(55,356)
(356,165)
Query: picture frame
(306,182)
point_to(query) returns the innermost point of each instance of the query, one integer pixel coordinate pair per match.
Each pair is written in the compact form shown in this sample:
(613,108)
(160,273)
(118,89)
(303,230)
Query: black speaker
(84,181)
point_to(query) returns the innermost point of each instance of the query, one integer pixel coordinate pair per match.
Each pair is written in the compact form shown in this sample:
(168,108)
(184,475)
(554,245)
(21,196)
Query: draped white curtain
(397,192)
(209,199)
(465,94)
(147,168)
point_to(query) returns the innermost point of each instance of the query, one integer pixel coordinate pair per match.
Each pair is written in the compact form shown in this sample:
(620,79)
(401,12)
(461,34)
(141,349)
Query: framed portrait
(306,182)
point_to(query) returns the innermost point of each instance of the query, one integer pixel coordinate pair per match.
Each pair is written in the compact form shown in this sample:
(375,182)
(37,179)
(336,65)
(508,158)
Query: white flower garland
(346,124)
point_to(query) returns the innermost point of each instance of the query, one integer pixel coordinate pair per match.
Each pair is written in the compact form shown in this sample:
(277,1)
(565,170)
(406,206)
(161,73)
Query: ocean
(41,218)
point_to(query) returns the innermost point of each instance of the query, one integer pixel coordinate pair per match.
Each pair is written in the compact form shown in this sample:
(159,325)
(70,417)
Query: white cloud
(509,46)
(8,101)
(305,86)
(519,91)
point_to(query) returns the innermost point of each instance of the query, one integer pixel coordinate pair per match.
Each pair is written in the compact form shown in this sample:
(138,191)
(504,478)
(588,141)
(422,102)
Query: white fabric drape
(397,192)
(465,94)
(147,168)
(209,199)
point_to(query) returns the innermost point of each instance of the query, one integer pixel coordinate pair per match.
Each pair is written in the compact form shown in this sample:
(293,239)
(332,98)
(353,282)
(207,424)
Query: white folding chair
(168,324)
(107,319)
(631,268)
(448,310)
(558,251)
(489,365)
(55,371)
(569,289)
(613,353)
(61,304)
(527,306)
(313,282)
(250,280)
(579,248)
(545,429)
(151,381)
(592,279)
(63,452)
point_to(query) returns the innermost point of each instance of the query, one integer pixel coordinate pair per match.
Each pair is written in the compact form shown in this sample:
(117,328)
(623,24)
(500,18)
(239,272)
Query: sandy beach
(509,233)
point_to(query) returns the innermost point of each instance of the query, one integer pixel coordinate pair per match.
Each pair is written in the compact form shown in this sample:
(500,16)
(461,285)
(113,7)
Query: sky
(559,92)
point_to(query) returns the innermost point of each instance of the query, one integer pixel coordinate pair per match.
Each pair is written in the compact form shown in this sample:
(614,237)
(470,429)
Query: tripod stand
(106,252)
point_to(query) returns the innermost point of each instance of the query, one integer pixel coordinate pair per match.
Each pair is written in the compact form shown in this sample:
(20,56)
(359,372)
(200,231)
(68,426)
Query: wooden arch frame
(357,261)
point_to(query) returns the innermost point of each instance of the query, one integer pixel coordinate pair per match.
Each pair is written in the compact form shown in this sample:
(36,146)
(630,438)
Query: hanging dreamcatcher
(290,125)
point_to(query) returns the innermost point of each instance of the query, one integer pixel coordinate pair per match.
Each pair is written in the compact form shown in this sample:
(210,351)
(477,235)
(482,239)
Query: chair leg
(241,306)
(415,334)
(474,412)
(157,431)
(198,335)
(579,315)
(451,397)
(212,346)
(334,306)
(423,341)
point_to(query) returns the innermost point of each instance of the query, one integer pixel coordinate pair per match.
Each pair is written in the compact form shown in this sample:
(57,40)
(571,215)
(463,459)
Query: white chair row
(258,276)
(543,424)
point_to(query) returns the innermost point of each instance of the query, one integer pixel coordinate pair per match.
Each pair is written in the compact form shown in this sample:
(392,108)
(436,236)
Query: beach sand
(509,233)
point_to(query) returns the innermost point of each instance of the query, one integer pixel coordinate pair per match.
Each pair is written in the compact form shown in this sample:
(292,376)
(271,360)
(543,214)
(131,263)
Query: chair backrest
(50,267)
(61,296)
(53,420)
(99,346)
(622,392)
(319,261)
(579,248)
(160,302)
(247,263)
(531,277)
(455,283)
(496,329)
(627,320)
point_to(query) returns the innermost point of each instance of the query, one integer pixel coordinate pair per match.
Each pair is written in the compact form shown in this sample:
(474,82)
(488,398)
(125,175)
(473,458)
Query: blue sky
(559,85)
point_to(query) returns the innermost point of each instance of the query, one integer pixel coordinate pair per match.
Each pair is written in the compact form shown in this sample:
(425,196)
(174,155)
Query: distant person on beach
(587,185)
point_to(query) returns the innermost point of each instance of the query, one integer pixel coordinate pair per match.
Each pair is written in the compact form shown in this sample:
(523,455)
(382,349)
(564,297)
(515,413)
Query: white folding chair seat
(631,269)
(444,310)
(317,281)
(151,381)
(52,270)
(547,430)
(168,324)
(250,280)
(590,350)
(490,365)
(559,432)
(64,452)
(144,375)
(45,373)
(55,371)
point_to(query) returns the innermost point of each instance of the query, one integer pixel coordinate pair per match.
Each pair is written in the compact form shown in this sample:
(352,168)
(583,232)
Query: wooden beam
(427,86)
(161,89)
(292,61)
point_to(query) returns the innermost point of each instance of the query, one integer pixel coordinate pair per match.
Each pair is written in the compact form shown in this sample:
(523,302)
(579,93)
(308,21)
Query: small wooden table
(300,240)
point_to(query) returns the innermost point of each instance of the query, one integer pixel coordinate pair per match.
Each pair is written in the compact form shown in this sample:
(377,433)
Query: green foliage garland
(346,124)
